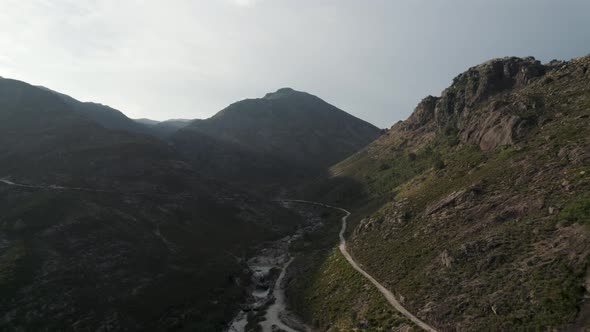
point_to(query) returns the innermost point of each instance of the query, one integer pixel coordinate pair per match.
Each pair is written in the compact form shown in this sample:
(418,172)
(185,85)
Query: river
(267,303)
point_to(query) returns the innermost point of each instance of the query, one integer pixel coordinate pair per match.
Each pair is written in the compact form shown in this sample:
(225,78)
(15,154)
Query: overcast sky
(375,59)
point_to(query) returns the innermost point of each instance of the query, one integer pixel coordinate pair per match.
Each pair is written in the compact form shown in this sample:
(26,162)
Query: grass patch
(328,293)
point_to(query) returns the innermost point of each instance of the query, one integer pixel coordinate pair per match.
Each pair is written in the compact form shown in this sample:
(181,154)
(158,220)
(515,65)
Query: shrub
(577,211)
(438,163)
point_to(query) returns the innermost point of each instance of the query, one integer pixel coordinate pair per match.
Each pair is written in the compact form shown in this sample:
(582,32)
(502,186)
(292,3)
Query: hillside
(166,128)
(147,122)
(475,210)
(108,229)
(284,127)
(236,163)
(103,115)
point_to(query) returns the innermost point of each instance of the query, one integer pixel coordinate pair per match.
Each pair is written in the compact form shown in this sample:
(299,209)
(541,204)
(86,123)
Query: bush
(438,163)
(384,166)
(577,212)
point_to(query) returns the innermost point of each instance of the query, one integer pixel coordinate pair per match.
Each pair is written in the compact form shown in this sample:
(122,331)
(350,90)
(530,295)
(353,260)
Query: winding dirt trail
(55,187)
(49,187)
(386,293)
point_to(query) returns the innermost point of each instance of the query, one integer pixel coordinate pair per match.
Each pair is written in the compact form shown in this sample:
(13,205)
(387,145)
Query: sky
(375,59)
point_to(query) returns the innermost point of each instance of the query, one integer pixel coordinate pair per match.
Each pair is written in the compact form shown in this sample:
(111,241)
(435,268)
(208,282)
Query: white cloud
(244,3)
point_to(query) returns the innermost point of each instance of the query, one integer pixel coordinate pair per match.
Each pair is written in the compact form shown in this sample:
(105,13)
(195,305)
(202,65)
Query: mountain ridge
(104,115)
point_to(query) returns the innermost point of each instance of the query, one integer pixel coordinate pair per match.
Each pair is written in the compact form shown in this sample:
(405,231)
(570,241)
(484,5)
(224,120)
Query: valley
(294,166)
(285,213)
(268,292)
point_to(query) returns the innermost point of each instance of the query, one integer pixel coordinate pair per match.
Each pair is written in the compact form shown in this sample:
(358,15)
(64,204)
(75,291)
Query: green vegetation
(9,263)
(328,293)
(577,211)
(471,238)
(338,298)
(408,255)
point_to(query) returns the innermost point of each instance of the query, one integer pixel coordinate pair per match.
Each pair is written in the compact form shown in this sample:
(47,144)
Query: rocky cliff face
(466,107)
(486,220)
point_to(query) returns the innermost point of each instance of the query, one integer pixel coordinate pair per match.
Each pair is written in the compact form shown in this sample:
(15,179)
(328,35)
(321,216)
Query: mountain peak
(282,92)
(288,125)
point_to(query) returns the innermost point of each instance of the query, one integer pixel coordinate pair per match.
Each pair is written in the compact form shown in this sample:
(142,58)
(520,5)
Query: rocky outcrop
(456,197)
(482,81)
(460,107)
(497,130)
(423,113)
(495,127)
(446,259)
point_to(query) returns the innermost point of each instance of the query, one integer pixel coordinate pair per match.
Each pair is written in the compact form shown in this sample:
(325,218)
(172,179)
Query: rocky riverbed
(266,304)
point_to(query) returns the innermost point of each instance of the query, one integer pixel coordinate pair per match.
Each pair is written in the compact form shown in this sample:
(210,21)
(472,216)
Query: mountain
(110,229)
(166,128)
(292,125)
(283,128)
(236,163)
(163,129)
(38,127)
(147,122)
(475,211)
(103,115)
